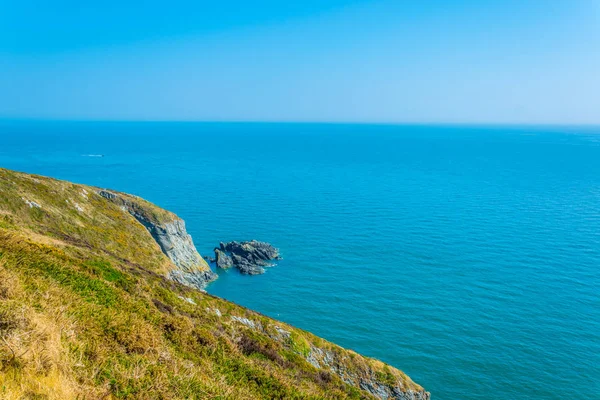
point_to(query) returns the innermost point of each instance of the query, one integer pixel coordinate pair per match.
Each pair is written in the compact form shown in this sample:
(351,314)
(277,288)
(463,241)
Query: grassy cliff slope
(90,308)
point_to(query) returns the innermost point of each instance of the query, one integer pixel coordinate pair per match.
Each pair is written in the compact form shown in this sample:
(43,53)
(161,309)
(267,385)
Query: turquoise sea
(469,257)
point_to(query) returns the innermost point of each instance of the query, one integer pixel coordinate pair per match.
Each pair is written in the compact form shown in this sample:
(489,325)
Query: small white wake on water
(92,155)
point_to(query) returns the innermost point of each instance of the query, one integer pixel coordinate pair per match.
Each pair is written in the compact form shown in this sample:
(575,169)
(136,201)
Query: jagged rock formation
(249,257)
(173,240)
(222,259)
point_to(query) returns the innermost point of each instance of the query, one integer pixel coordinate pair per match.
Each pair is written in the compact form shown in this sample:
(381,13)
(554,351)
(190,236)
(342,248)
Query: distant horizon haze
(491,124)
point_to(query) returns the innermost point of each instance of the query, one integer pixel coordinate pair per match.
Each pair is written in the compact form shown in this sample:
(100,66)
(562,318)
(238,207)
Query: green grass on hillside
(86,313)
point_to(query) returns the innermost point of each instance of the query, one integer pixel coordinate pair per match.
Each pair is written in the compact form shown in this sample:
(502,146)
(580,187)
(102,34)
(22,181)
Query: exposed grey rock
(108,195)
(282,332)
(333,362)
(222,259)
(177,244)
(248,322)
(31,204)
(216,311)
(313,356)
(197,279)
(375,388)
(76,205)
(174,241)
(188,299)
(399,394)
(364,377)
(253,251)
(245,266)
(249,257)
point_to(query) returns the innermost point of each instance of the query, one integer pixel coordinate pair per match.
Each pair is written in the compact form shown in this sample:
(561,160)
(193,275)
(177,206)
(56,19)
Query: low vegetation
(87,313)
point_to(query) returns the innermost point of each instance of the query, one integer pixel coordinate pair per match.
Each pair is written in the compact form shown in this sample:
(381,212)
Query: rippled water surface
(469,257)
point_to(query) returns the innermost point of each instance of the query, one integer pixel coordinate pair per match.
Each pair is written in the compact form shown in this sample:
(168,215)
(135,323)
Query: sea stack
(248,257)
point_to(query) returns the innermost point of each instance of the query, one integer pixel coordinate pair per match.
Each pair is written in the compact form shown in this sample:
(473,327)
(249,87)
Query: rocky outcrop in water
(248,257)
(174,241)
(222,259)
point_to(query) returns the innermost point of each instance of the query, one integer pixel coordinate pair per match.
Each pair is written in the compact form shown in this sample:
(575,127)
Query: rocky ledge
(248,257)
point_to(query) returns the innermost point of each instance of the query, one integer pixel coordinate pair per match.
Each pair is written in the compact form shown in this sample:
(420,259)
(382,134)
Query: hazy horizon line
(308,122)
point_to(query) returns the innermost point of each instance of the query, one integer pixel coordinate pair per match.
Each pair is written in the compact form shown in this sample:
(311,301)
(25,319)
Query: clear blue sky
(461,61)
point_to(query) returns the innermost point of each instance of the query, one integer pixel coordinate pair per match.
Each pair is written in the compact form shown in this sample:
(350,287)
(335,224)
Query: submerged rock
(248,257)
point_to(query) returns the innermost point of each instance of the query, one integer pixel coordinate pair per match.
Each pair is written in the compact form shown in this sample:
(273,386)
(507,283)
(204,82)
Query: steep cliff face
(99,299)
(170,234)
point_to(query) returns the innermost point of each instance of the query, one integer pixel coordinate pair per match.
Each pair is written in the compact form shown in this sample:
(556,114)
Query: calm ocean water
(469,257)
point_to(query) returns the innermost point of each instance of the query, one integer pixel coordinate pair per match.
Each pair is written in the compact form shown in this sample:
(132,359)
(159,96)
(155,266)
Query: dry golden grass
(33,358)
